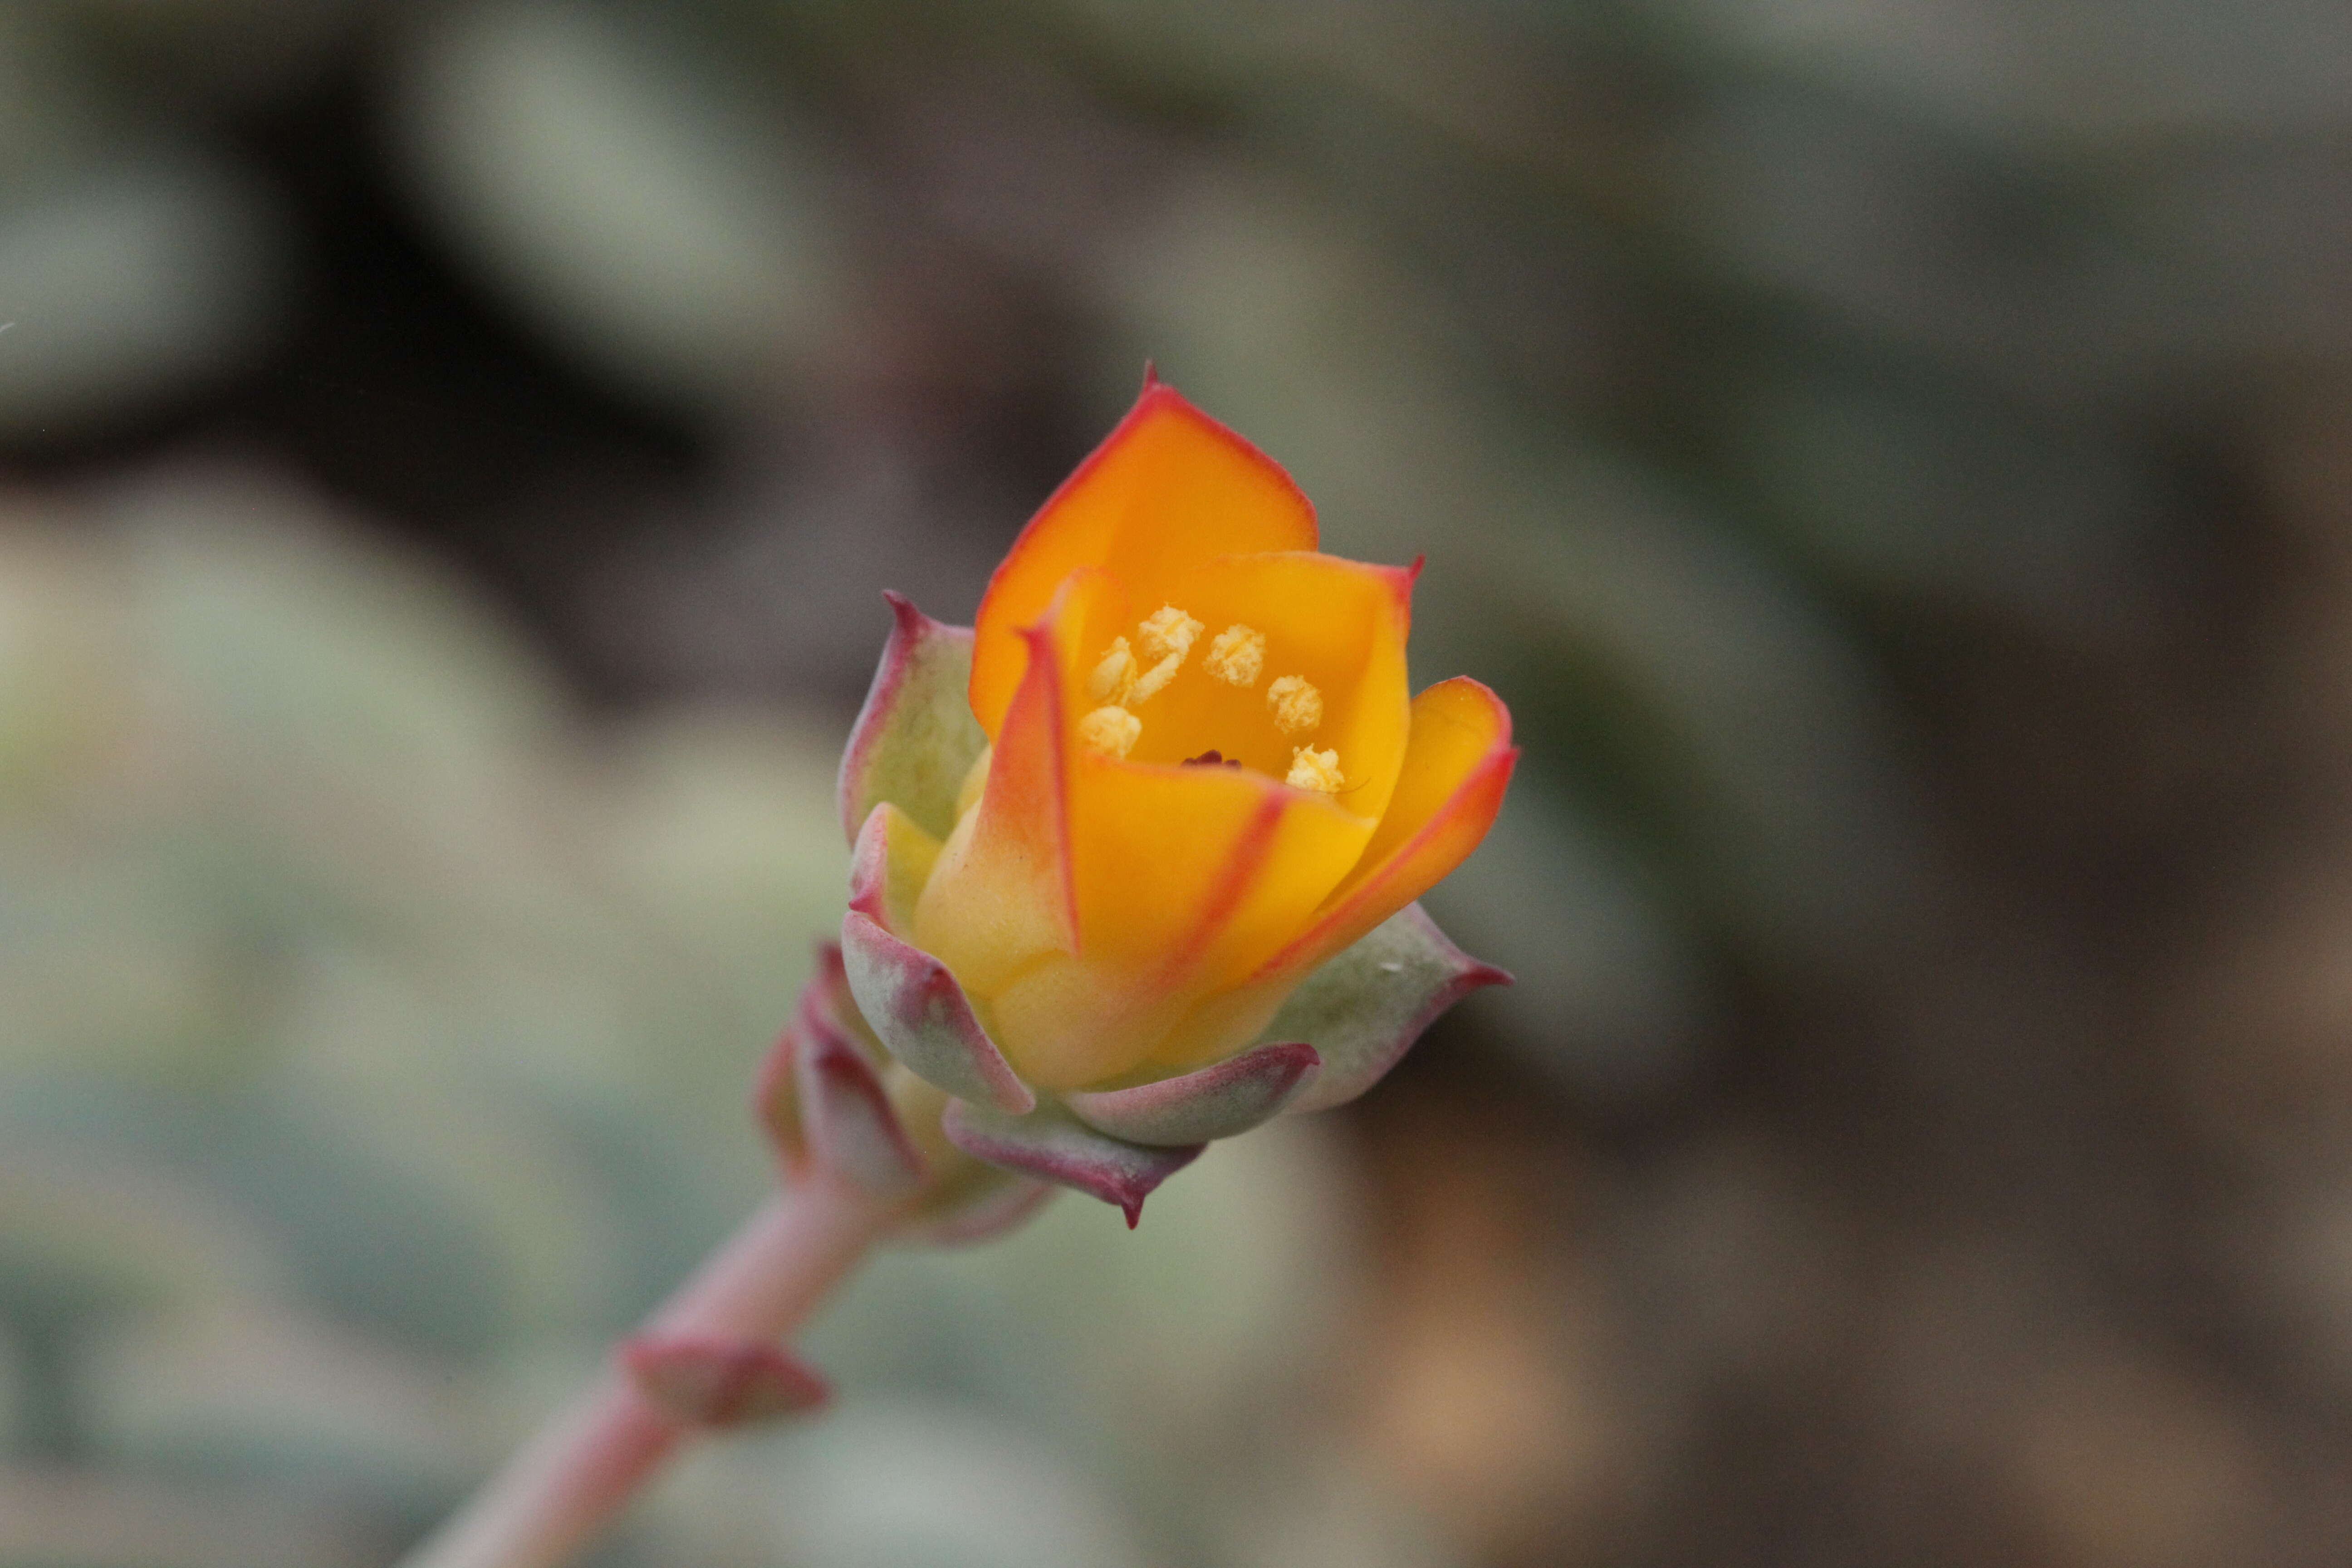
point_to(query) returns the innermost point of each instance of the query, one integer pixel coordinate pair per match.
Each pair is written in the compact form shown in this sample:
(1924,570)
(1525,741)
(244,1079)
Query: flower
(1136,856)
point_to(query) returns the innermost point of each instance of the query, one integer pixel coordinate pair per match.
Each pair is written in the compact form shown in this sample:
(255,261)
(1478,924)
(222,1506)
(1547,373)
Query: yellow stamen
(1115,676)
(1166,636)
(1167,632)
(1297,706)
(1147,685)
(1236,655)
(1110,730)
(1311,768)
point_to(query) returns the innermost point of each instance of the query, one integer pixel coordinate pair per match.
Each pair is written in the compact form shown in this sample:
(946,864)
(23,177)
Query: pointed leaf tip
(1217,1101)
(922,1016)
(1056,1147)
(713,1382)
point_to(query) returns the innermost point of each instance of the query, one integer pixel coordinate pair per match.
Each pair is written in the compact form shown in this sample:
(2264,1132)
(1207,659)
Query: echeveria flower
(1134,868)
(1136,856)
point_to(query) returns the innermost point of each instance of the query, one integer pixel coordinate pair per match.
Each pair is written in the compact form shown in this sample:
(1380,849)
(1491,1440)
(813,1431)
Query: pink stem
(558,1491)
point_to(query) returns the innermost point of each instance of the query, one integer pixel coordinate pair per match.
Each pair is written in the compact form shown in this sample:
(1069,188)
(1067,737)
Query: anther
(1236,655)
(1114,677)
(1166,637)
(1167,631)
(1311,768)
(1297,706)
(1112,731)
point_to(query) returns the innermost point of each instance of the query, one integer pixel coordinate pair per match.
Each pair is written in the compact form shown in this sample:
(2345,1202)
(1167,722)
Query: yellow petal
(889,865)
(1169,488)
(1456,767)
(1187,880)
(1198,875)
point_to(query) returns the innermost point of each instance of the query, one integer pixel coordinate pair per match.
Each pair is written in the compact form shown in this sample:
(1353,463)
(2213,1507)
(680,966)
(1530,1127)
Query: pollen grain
(1110,730)
(1319,771)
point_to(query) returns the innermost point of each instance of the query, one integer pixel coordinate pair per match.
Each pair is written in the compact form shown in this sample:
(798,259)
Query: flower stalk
(560,1491)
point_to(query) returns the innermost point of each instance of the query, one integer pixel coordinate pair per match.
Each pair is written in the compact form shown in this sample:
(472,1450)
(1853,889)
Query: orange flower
(1189,776)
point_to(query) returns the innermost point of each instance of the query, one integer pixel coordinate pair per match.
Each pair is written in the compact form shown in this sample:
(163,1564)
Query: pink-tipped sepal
(1364,1007)
(710,1382)
(1215,1101)
(916,737)
(847,1122)
(1053,1145)
(924,1019)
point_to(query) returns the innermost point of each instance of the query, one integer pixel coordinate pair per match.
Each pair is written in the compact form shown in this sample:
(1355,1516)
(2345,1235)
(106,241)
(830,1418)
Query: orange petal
(1000,897)
(1456,767)
(1169,488)
(1188,878)
(1200,873)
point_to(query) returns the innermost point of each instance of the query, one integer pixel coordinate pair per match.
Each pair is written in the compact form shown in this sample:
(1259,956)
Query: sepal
(916,737)
(1215,1101)
(1367,1004)
(713,1382)
(924,1019)
(776,1099)
(1054,1146)
(848,1122)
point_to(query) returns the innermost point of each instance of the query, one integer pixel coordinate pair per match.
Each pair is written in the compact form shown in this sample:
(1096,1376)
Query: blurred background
(1895,458)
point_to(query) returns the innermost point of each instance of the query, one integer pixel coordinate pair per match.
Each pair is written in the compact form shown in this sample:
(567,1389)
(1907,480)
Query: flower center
(1130,673)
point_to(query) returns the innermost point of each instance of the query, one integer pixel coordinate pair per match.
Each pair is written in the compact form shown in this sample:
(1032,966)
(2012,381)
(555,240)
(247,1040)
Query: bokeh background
(1895,457)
